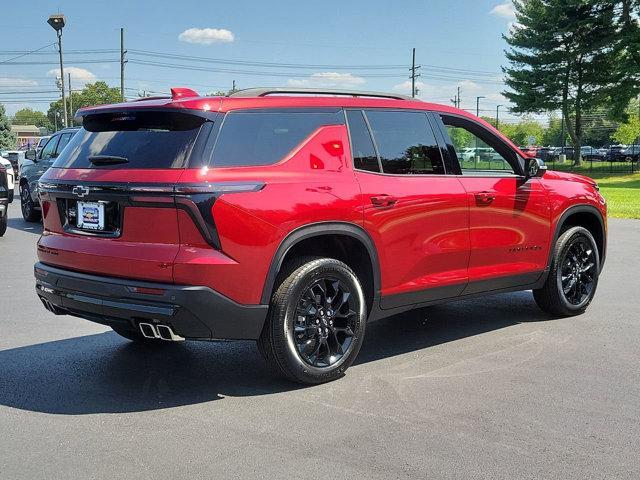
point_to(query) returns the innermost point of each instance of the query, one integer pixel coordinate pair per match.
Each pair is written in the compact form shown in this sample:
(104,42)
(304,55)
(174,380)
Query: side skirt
(436,296)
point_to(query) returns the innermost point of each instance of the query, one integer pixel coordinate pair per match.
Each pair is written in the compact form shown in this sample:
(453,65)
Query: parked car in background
(15,157)
(624,153)
(544,153)
(557,151)
(292,217)
(530,150)
(593,154)
(34,166)
(11,177)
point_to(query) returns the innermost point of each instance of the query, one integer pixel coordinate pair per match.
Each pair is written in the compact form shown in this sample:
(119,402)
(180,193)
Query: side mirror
(534,168)
(30,155)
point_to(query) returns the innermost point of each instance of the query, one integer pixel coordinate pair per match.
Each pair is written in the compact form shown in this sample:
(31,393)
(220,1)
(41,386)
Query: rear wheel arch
(343,241)
(586,216)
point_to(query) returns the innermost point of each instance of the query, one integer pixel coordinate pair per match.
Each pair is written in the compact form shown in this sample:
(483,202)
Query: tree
(92,94)
(629,132)
(520,133)
(28,116)
(7,138)
(564,55)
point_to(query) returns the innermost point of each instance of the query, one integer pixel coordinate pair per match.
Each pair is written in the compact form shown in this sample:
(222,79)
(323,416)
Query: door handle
(383,200)
(485,198)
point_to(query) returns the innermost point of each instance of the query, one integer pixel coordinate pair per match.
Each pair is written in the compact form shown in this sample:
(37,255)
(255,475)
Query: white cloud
(79,76)
(206,36)
(505,10)
(327,80)
(16,82)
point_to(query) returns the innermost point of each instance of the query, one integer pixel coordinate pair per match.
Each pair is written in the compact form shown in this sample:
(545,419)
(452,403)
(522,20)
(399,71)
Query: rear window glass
(144,139)
(266,137)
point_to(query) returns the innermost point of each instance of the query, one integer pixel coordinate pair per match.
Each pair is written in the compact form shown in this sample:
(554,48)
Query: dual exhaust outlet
(159,332)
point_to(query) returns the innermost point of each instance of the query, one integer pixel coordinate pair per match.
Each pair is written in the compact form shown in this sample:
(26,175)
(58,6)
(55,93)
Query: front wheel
(3,225)
(316,322)
(29,212)
(573,276)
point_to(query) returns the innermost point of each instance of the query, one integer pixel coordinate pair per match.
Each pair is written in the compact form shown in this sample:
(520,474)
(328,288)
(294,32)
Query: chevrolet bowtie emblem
(80,191)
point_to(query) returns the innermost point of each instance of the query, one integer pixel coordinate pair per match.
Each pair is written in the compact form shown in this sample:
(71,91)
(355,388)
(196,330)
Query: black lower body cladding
(192,311)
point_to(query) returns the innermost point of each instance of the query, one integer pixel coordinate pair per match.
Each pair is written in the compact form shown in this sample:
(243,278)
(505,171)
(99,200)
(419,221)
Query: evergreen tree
(7,138)
(565,55)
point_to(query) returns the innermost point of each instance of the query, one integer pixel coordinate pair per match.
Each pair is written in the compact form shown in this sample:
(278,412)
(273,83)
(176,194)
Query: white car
(11,179)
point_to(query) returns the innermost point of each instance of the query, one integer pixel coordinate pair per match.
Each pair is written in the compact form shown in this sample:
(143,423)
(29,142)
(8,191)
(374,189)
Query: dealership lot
(487,388)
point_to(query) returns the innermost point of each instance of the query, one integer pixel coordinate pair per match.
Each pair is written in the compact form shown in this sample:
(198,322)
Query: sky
(358,44)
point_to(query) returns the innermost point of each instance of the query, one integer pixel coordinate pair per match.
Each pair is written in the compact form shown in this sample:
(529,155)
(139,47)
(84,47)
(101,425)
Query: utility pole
(122,62)
(70,101)
(476,158)
(233,86)
(414,75)
(498,113)
(458,97)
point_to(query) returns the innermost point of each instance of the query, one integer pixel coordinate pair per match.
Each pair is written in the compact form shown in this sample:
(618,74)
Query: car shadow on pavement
(29,227)
(104,373)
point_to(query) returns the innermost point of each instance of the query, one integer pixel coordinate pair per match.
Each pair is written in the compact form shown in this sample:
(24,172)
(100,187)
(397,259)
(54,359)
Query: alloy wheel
(324,325)
(577,272)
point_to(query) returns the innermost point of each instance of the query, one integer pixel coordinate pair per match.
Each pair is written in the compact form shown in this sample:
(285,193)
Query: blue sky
(458,42)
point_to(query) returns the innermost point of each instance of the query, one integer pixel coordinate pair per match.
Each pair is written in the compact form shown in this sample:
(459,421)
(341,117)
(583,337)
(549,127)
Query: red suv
(293,217)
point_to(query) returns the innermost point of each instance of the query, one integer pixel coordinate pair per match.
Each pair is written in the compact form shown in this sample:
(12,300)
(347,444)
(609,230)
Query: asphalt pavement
(489,388)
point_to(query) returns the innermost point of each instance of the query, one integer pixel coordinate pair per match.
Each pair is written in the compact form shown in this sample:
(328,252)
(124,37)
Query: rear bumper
(192,311)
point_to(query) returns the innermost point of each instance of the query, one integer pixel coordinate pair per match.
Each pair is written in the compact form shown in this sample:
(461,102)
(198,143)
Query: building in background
(27,135)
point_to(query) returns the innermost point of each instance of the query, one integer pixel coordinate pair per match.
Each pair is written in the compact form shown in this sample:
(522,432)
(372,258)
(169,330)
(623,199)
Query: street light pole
(498,113)
(57,22)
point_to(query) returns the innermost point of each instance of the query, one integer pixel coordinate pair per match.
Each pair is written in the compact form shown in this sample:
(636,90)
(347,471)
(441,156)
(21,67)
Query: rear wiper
(107,159)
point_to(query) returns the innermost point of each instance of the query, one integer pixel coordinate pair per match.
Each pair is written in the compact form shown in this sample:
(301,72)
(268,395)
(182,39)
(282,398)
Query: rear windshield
(144,139)
(266,137)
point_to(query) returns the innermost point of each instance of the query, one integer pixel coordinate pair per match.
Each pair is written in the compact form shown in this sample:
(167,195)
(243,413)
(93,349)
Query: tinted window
(405,142)
(145,139)
(478,149)
(49,149)
(264,138)
(64,139)
(363,151)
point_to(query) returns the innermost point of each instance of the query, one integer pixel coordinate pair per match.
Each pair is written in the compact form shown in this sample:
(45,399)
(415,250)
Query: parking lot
(488,388)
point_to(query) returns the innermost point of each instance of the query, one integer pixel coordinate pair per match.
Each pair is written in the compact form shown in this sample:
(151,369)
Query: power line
(27,53)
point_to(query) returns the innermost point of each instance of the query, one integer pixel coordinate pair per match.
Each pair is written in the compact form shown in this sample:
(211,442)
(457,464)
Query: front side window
(250,138)
(137,139)
(49,149)
(478,150)
(406,144)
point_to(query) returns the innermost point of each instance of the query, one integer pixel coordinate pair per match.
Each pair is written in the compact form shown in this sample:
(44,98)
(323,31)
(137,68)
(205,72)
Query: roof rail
(263,92)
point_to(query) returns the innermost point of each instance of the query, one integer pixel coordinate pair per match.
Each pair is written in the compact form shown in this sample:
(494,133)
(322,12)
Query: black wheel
(316,322)
(3,225)
(573,276)
(29,213)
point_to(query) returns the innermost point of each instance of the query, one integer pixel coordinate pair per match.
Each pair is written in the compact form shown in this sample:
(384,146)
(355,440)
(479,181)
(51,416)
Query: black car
(624,153)
(33,168)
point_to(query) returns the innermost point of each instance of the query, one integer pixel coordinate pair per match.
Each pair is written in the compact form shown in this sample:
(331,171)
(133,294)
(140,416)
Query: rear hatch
(108,200)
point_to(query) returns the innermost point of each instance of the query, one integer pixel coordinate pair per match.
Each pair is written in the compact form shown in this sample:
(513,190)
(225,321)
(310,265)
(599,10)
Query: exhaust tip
(166,333)
(148,330)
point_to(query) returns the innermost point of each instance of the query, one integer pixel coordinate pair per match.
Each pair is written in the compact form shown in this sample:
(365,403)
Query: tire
(29,213)
(311,348)
(3,225)
(571,284)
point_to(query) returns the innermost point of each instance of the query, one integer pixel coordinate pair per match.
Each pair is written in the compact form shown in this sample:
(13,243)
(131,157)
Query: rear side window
(265,137)
(364,153)
(64,139)
(146,139)
(406,144)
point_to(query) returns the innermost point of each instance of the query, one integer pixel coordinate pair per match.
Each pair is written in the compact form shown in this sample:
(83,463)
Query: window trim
(70,135)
